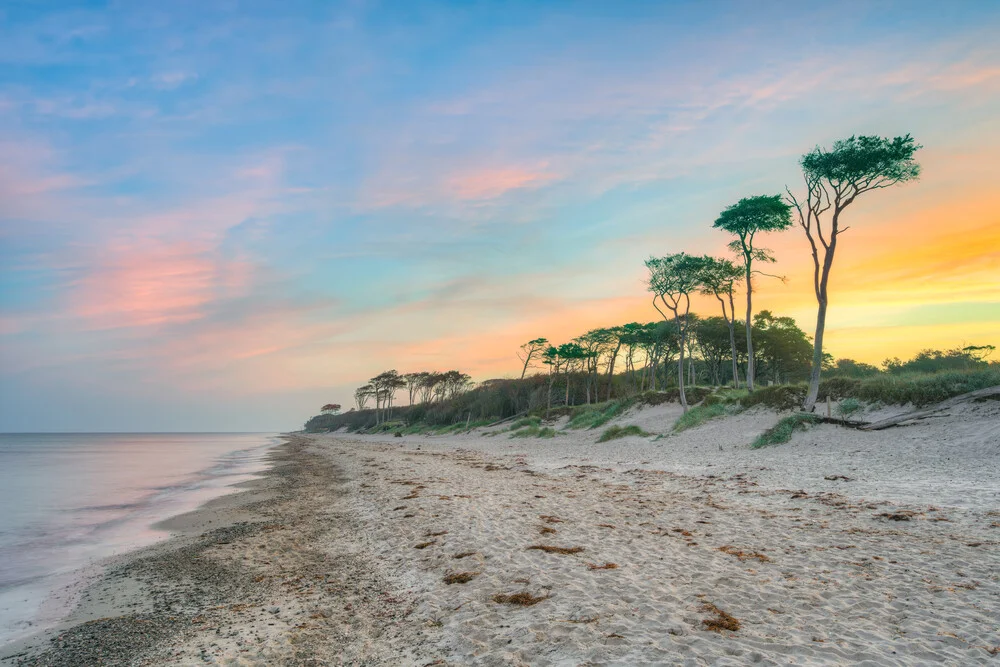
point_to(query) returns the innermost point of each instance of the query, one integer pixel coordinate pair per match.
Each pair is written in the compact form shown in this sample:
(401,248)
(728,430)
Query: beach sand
(840,547)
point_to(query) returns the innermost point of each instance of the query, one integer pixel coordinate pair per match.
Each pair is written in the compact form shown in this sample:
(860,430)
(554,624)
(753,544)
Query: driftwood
(833,420)
(928,412)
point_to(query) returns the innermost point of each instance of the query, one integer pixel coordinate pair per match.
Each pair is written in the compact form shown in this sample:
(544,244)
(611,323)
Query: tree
(384,386)
(362,394)
(330,409)
(672,280)
(720,279)
(834,179)
(745,219)
(783,349)
(531,350)
(715,339)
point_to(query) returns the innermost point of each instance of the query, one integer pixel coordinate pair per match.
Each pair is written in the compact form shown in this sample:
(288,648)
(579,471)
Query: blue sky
(216,215)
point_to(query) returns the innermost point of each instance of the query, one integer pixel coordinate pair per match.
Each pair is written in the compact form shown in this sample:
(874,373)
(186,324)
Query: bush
(615,432)
(777,397)
(848,407)
(783,430)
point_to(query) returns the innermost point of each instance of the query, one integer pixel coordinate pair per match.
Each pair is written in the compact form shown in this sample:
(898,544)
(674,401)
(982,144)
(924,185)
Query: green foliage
(525,421)
(849,368)
(592,416)
(751,215)
(926,389)
(615,432)
(700,414)
(777,397)
(935,361)
(783,430)
(864,162)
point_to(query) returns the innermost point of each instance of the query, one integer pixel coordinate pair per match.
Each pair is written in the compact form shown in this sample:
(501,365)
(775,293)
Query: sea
(68,501)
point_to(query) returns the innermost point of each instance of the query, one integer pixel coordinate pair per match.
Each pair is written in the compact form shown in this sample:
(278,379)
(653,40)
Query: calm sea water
(69,500)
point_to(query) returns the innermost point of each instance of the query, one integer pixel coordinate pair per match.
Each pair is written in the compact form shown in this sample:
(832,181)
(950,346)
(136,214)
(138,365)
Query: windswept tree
(834,179)
(719,279)
(672,280)
(746,219)
(362,394)
(385,386)
(331,409)
(531,351)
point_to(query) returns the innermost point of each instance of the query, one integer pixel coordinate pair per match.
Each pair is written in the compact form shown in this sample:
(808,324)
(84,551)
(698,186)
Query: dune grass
(615,432)
(599,414)
(700,414)
(783,430)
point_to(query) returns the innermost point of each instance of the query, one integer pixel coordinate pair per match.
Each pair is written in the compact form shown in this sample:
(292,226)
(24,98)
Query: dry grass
(744,555)
(721,621)
(606,566)
(555,550)
(464,554)
(460,577)
(522,599)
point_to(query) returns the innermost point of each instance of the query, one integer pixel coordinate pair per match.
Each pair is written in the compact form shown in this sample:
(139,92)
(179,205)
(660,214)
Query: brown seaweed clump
(522,599)
(565,551)
(721,621)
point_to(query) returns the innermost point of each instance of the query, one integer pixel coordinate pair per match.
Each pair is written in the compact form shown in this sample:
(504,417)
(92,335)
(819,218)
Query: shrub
(783,430)
(615,432)
(777,397)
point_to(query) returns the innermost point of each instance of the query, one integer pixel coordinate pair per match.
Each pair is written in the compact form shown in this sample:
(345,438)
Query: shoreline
(399,551)
(125,597)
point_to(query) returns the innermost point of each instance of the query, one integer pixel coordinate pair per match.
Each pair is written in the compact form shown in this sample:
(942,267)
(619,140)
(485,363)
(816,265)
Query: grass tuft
(783,430)
(615,432)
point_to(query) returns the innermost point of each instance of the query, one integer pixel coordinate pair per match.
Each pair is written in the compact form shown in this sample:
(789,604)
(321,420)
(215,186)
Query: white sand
(841,584)
(813,569)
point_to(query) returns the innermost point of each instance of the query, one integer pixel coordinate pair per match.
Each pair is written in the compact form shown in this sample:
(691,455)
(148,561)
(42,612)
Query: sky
(221,215)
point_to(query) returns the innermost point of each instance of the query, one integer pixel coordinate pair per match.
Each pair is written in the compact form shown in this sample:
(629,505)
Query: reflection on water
(70,499)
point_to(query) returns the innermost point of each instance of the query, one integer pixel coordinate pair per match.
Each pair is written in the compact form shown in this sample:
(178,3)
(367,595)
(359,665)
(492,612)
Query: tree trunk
(611,370)
(680,367)
(750,364)
(822,301)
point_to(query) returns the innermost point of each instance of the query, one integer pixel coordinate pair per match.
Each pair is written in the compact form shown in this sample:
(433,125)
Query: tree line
(422,387)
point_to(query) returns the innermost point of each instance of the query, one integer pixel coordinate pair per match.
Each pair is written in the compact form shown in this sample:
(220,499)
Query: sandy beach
(840,547)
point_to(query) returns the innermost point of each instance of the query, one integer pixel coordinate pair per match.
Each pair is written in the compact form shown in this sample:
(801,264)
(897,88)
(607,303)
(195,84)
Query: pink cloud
(491,183)
(154,283)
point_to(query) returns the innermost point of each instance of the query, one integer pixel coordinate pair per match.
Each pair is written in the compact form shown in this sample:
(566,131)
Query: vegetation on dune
(599,375)
(616,432)
(782,431)
(700,414)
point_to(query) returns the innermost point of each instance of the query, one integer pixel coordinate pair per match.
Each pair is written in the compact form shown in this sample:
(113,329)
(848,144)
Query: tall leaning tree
(673,279)
(834,179)
(719,279)
(746,219)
